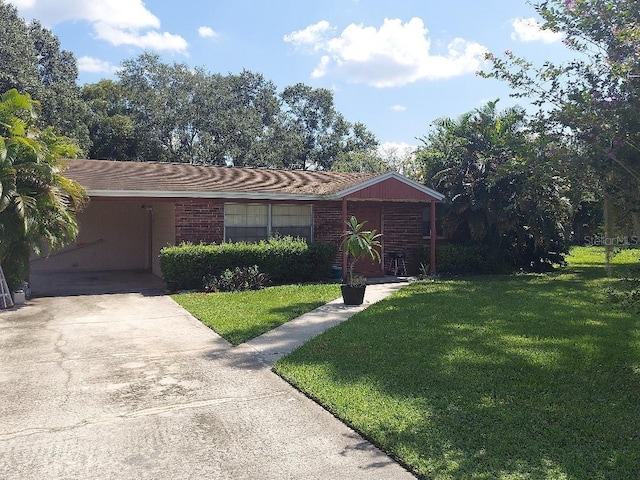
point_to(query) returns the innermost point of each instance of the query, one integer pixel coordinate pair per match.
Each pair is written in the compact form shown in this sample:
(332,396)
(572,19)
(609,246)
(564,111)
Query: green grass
(513,377)
(241,316)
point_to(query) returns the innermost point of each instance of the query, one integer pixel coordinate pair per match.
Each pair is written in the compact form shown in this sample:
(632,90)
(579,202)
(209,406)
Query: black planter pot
(353,295)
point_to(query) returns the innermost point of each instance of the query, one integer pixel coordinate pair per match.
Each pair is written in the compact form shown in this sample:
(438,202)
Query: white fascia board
(385,176)
(222,195)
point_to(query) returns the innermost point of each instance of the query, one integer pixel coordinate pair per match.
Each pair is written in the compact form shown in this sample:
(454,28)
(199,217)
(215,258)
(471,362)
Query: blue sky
(395,66)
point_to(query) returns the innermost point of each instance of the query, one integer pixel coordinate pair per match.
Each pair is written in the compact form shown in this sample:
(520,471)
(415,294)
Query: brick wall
(199,220)
(402,227)
(327,225)
(202,220)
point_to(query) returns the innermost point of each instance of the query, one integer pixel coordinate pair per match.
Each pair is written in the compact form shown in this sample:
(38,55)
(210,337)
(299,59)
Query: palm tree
(37,203)
(503,193)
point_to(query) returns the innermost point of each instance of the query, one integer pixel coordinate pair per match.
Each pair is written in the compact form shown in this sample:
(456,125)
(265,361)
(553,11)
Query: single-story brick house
(137,208)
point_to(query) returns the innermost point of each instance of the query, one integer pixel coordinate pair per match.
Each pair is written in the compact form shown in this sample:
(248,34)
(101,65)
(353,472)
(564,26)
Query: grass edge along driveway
(523,376)
(241,316)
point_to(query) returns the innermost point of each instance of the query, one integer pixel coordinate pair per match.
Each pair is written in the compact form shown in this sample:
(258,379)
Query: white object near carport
(5,294)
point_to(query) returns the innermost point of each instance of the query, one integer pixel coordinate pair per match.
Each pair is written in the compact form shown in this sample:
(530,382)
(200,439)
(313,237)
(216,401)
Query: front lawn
(241,316)
(514,377)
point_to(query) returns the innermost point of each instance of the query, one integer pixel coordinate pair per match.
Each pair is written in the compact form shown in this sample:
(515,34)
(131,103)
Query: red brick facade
(202,220)
(199,220)
(402,228)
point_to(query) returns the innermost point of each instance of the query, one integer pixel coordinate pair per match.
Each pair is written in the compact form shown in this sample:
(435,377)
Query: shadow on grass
(519,377)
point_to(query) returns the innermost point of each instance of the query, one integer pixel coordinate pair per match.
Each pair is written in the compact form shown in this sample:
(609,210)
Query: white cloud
(152,40)
(394,55)
(529,30)
(314,36)
(119,22)
(399,156)
(396,150)
(95,65)
(207,32)
(321,69)
(399,108)
(22,3)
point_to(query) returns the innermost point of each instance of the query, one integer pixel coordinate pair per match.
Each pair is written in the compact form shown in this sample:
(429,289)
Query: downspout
(344,221)
(432,222)
(149,209)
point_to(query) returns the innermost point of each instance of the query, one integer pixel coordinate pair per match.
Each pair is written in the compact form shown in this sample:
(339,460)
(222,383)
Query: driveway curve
(129,385)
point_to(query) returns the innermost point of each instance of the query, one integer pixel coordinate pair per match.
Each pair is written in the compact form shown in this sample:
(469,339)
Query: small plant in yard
(236,280)
(424,270)
(358,244)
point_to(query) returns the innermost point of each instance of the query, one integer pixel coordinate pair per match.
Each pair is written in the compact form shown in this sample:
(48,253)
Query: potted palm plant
(357,244)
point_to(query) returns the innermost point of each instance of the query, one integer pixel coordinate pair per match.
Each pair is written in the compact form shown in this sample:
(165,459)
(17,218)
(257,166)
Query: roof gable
(392,186)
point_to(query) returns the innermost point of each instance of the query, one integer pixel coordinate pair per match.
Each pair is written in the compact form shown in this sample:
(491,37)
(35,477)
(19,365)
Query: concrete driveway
(130,386)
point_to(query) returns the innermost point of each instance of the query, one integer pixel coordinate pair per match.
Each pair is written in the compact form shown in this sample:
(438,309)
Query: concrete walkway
(127,385)
(286,338)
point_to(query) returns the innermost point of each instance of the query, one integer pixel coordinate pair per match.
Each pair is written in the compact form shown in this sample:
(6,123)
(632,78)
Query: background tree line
(172,112)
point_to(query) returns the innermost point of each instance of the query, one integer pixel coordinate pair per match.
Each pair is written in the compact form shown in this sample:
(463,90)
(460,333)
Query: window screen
(293,220)
(251,222)
(245,222)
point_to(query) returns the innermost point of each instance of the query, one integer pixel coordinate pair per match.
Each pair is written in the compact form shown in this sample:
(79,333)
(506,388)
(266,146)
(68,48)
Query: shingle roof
(119,178)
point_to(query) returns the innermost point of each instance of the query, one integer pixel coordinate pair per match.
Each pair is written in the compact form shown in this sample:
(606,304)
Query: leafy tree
(594,100)
(187,115)
(37,203)
(161,100)
(360,162)
(111,128)
(502,192)
(321,132)
(251,116)
(62,105)
(18,61)
(31,61)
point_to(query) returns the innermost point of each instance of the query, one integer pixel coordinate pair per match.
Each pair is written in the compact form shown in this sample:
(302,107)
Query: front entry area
(372,214)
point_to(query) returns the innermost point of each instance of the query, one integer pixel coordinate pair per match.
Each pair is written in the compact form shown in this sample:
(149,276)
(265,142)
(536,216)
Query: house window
(252,222)
(245,222)
(293,220)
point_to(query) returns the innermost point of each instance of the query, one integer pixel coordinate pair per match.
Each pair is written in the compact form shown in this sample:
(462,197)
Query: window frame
(269,226)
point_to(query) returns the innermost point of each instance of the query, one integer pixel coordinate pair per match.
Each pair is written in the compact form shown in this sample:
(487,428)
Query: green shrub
(15,266)
(457,259)
(237,280)
(284,260)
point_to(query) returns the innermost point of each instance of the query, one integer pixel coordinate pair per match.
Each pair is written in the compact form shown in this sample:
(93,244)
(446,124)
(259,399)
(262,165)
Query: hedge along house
(137,208)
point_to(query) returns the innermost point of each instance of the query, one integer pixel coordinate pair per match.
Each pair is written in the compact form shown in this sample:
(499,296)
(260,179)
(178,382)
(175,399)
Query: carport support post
(432,222)
(344,221)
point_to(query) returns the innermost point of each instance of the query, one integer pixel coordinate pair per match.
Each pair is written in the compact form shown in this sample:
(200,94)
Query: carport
(116,234)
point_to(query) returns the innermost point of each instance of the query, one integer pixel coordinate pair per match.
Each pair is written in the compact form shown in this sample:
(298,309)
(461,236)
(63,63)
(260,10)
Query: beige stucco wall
(164,231)
(114,235)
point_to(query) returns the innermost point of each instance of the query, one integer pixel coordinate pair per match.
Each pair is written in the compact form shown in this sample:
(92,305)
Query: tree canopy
(172,112)
(502,192)
(593,101)
(32,62)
